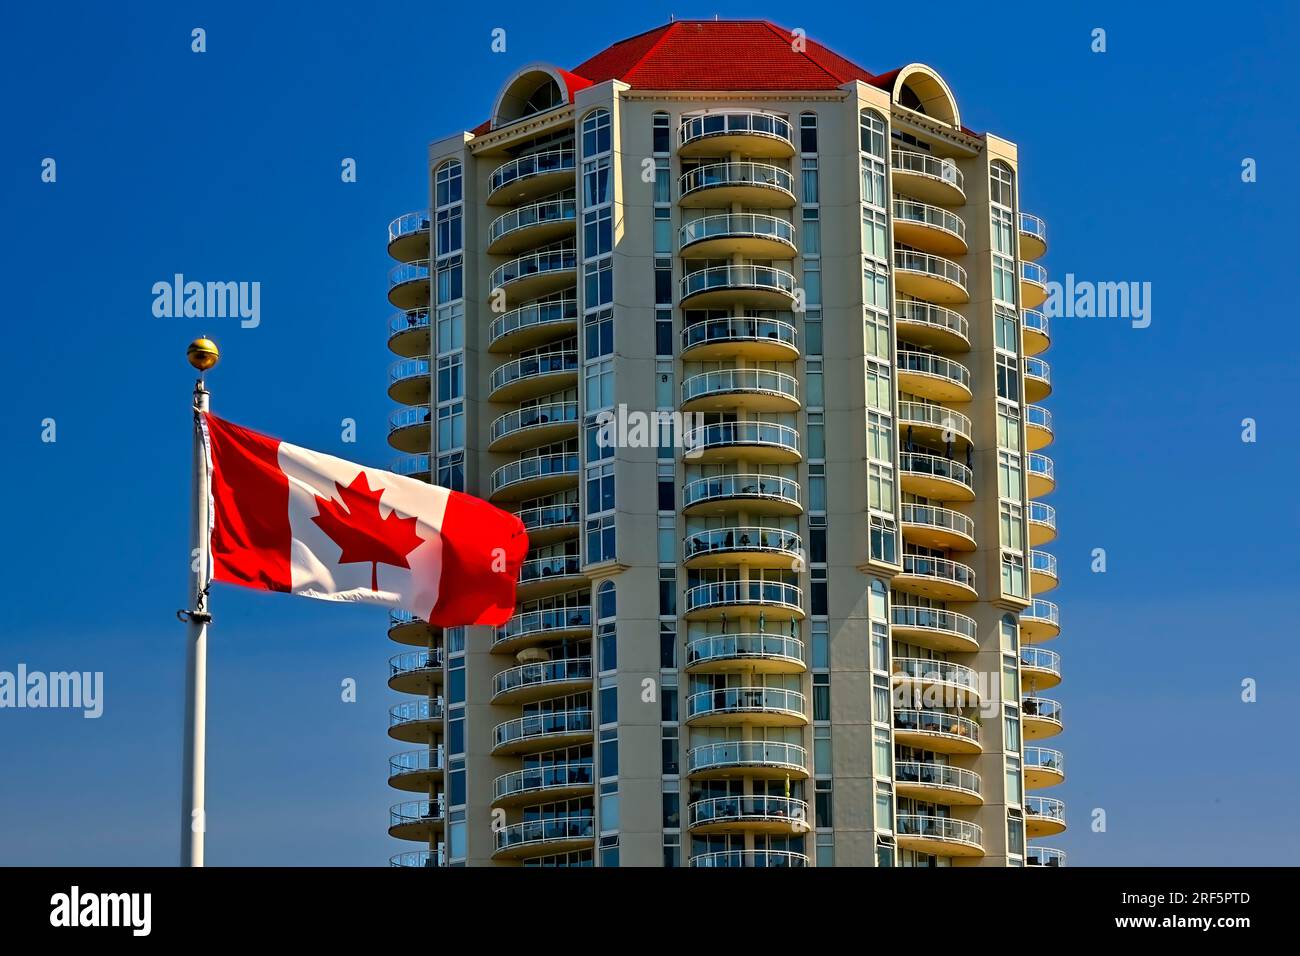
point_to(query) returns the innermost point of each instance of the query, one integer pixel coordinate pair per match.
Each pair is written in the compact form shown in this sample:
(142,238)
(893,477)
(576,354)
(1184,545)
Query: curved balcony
(938,578)
(535,425)
(927,324)
(416,672)
(1038,427)
(939,836)
(416,771)
(1041,475)
(408,333)
(408,236)
(405,628)
(1039,622)
(1040,717)
(1044,856)
(420,858)
(1033,237)
(742,545)
(929,277)
(760,759)
(732,599)
(752,859)
(744,284)
(748,814)
(937,783)
(930,476)
(740,131)
(539,627)
(1040,669)
(412,466)
(955,684)
(1038,379)
(933,376)
(538,732)
(415,721)
(756,235)
(542,679)
(536,274)
(533,376)
(527,227)
(747,389)
(758,442)
(740,337)
(1042,572)
(1043,767)
(935,423)
(531,177)
(929,227)
(541,577)
(938,731)
(729,706)
(724,494)
(1044,816)
(553,782)
(927,177)
(409,382)
(718,185)
(759,653)
(534,477)
(934,527)
(1036,330)
(408,285)
(550,523)
(416,819)
(544,837)
(534,324)
(1033,285)
(1042,523)
(934,628)
(408,429)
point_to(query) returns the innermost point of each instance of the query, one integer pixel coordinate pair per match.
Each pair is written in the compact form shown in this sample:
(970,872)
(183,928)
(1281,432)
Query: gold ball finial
(203,354)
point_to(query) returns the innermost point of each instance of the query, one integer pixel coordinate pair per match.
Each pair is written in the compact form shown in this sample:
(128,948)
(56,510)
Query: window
(451,383)
(595,182)
(595,133)
(871,128)
(668,644)
(821,696)
(1008,377)
(808,166)
(1009,475)
(808,133)
(597,232)
(598,282)
(1013,575)
(606,603)
(661,130)
(884,540)
(448,184)
(600,539)
(600,385)
(1011,526)
(598,334)
(822,803)
(600,489)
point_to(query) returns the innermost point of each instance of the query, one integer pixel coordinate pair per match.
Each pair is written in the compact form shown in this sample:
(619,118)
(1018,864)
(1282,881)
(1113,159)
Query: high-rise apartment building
(747,337)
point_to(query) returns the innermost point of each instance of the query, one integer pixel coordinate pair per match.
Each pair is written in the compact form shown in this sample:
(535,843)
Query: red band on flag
(482,549)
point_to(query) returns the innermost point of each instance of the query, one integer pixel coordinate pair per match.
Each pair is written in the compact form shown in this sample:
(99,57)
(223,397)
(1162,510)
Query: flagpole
(202,354)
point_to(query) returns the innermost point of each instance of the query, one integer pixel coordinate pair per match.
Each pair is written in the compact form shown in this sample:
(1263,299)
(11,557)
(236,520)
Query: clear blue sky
(226,166)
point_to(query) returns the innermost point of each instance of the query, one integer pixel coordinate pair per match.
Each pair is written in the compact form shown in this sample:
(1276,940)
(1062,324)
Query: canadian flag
(285,518)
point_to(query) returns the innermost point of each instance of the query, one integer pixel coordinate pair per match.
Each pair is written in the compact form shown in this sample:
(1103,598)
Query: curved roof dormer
(920,88)
(534,89)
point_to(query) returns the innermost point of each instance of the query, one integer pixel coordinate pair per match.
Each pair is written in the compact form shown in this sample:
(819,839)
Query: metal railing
(733,123)
(723,434)
(536,164)
(1037,368)
(405,369)
(410,465)
(1042,610)
(747,753)
(553,413)
(420,858)
(928,671)
(539,673)
(404,272)
(741,538)
(426,760)
(926,264)
(415,711)
(1040,659)
(729,647)
(939,828)
(558,311)
(538,467)
(1042,562)
(1039,416)
(919,164)
(717,487)
(408,417)
(927,313)
(1035,320)
(1044,856)
(757,593)
(1042,708)
(530,366)
(408,320)
(937,775)
(936,366)
(534,214)
(1033,272)
(1044,758)
(549,516)
(738,328)
(933,619)
(937,722)
(1048,807)
(534,264)
(742,275)
(935,416)
(738,225)
(538,569)
(544,621)
(910,210)
(739,173)
(1033,226)
(416,811)
(415,661)
(1040,513)
(1041,465)
(749,808)
(556,723)
(933,516)
(941,569)
(758,859)
(918,463)
(549,777)
(730,700)
(408,224)
(730,380)
(558,829)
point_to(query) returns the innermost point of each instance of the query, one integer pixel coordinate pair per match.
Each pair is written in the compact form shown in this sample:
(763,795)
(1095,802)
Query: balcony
(757,653)
(760,759)
(1033,285)
(929,277)
(1044,856)
(936,730)
(1040,669)
(1041,475)
(416,672)
(729,706)
(417,819)
(934,628)
(536,274)
(536,681)
(1033,237)
(415,721)
(757,442)
(542,577)
(412,466)
(1038,427)
(937,783)
(533,376)
(538,627)
(408,429)
(408,236)
(746,131)
(1044,816)
(537,224)
(550,523)
(740,389)
(742,545)
(535,425)
(408,333)
(553,782)
(748,814)
(931,326)
(933,376)
(408,285)
(933,423)
(420,858)
(757,859)
(1039,622)
(1043,767)
(416,771)
(1040,717)
(409,382)
(531,177)
(721,236)
(544,837)
(1042,572)
(534,477)
(1042,523)
(939,836)
(733,599)
(725,494)
(929,228)
(1036,331)
(955,684)
(539,732)
(405,628)
(1038,379)
(927,177)
(533,325)
(743,284)
(930,476)
(938,578)
(740,337)
(718,185)
(934,527)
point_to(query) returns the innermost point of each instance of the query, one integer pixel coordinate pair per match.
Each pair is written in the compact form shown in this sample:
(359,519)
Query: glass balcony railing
(747,753)
(1041,708)
(762,175)
(933,619)
(535,214)
(408,224)
(572,775)
(917,463)
(533,416)
(529,468)
(733,647)
(410,465)
(1031,225)
(939,828)
(420,858)
(952,422)
(549,516)
(535,264)
(940,569)
(916,312)
(1044,856)
(937,775)
(927,671)
(729,381)
(919,164)
(755,593)
(1033,272)
(562,311)
(1044,758)
(424,710)
(538,569)
(540,623)
(739,328)
(1040,659)
(427,760)
(738,276)
(738,123)
(1040,513)
(569,670)
(1038,416)
(408,320)
(407,369)
(748,809)
(405,272)
(408,417)
(416,811)
(557,830)
(924,214)
(1044,611)
(937,722)
(759,859)
(741,539)
(1046,807)
(725,434)
(533,366)
(758,700)
(723,487)
(415,661)
(536,164)
(926,264)
(560,723)
(936,366)
(1037,368)
(1041,562)
(1041,465)
(933,516)
(743,225)
(1035,321)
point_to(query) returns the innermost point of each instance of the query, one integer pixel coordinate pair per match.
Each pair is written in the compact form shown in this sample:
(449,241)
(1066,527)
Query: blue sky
(226,166)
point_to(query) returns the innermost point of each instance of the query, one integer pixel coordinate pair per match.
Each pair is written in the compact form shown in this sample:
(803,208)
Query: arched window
(873,132)
(922,90)
(1010,633)
(533,89)
(606,603)
(595,133)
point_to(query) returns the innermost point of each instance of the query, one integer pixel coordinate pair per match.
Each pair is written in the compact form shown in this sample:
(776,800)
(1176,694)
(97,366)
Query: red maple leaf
(354,524)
